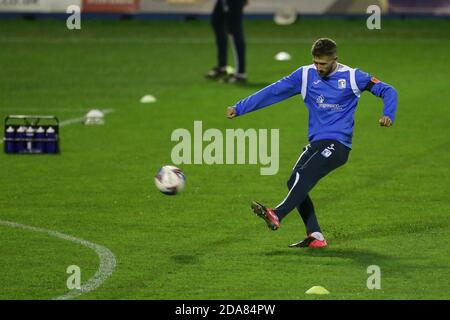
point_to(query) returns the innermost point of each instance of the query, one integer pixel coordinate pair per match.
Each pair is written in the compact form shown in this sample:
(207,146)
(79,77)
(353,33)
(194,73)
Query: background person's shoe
(216,73)
(236,79)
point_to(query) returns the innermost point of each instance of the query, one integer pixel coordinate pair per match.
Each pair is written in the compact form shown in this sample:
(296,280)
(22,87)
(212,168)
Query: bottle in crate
(9,141)
(51,140)
(29,134)
(20,139)
(40,144)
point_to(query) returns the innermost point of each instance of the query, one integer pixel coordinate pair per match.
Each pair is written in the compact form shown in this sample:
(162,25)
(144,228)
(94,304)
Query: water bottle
(10,143)
(29,134)
(20,139)
(51,140)
(40,144)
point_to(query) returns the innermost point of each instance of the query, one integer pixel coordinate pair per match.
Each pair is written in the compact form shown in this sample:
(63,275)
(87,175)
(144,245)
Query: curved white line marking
(105,269)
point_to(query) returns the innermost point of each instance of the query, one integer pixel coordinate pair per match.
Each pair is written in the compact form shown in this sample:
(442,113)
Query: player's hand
(385,121)
(231,112)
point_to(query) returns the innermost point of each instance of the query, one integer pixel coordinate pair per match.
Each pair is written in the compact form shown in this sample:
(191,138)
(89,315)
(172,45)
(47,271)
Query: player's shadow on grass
(194,257)
(186,259)
(362,257)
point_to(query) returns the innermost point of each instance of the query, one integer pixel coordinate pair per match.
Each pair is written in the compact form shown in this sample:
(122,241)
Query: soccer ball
(170,180)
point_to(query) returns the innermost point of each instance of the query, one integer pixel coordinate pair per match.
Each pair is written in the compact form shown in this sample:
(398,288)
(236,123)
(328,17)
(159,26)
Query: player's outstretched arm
(276,92)
(382,90)
(390,101)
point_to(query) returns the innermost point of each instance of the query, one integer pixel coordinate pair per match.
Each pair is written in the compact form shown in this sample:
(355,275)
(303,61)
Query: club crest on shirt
(326,153)
(342,83)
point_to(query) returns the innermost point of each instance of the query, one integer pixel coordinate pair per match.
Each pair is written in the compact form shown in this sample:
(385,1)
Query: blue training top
(331,101)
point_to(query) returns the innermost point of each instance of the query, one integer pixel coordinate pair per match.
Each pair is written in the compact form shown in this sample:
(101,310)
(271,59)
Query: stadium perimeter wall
(155,8)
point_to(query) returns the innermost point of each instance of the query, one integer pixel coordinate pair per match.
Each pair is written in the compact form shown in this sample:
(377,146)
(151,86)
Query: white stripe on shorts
(297,178)
(307,147)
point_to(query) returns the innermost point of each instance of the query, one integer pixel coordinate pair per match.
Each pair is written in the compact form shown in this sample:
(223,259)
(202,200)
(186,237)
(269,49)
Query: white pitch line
(80,119)
(105,269)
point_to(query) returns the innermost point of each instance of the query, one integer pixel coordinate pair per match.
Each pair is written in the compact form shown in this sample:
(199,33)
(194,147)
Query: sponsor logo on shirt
(320,103)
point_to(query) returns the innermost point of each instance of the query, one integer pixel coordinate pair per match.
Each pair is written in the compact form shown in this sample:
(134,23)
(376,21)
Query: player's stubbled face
(325,65)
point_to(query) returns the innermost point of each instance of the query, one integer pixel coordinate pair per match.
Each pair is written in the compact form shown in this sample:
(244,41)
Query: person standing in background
(227,19)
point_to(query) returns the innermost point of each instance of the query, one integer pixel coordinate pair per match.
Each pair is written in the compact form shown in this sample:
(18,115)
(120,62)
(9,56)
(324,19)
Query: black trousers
(227,19)
(318,159)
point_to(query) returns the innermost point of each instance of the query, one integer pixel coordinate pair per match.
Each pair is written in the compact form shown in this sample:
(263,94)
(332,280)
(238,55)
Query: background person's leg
(218,22)
(236,30)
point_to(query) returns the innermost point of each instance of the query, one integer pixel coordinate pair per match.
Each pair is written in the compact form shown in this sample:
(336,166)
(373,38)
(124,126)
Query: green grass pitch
(388,206)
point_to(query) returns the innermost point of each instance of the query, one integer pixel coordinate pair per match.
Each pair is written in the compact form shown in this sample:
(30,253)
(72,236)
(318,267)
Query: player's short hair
(324,47)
